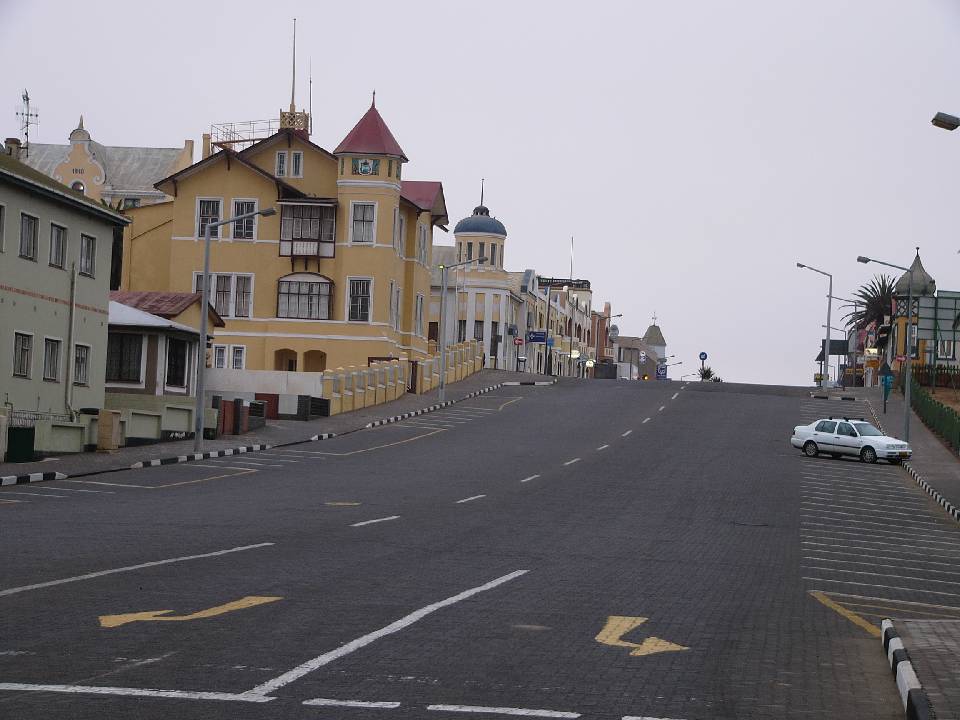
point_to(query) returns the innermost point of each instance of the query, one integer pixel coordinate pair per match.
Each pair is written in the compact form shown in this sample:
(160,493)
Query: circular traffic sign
(703,356)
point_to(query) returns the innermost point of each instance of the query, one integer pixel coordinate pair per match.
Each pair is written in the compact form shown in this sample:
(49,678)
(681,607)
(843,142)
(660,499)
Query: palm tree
(706,372)
(877,301)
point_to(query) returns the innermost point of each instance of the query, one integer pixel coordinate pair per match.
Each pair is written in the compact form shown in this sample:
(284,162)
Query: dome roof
(480,222)
(79,134)
(923,284)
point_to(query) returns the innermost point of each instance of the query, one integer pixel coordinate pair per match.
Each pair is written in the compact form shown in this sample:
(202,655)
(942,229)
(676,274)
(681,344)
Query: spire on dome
(79,134)
(923,284)
(371,136)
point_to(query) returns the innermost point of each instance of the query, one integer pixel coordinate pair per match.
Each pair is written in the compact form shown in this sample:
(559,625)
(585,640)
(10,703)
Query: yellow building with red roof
(338,277)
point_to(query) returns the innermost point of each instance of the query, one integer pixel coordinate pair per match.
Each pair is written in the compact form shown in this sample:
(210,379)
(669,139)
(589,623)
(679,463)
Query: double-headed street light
(205,295)
(441,391)
(908,345)
(826,346)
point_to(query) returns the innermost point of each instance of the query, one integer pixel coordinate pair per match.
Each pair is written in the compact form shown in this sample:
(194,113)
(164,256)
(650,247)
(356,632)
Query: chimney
(188,149)
(206,146)
(12,147)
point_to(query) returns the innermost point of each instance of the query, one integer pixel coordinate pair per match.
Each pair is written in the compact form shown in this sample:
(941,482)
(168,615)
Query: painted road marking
(466,500)
(861,555)
(881,575)
(645,421)
(364,640)
(385,445)
(240,471)
(675,396)
(603,447)
(626,433)
(571,462)
(503,711)
(378,520)
(101,573)
(860,551)
(528,479)
(643,717)
(63,489)
(619,625)
(879,565)
(33,494)
(136,692)
(848,614)
(662,408)
(341,504)
(111,621)
(327,702)
(110,484)
(884,587)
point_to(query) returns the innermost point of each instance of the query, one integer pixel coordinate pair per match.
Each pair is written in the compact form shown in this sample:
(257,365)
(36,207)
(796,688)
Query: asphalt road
(591,549)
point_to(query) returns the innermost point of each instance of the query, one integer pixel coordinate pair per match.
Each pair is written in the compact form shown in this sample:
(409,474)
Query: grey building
(55,262)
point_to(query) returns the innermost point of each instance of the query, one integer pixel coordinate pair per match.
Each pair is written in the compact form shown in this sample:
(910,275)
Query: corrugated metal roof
(164,304)
(128,169)
(371,135)
(122,315)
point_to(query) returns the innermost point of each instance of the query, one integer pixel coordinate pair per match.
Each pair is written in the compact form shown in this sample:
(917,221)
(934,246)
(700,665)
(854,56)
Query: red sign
(901,358)
(518,341)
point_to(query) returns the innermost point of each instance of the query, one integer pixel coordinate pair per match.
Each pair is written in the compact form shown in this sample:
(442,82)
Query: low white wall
(278,382)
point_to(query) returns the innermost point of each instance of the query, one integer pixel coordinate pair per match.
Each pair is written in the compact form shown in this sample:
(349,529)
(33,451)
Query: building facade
(339,276)
(123,177)
(55,255)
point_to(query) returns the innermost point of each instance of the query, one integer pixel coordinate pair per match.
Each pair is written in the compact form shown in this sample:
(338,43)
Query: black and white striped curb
(832,397)
(914,699)
(199,456)
(948,506)
(432,408)
(31,477)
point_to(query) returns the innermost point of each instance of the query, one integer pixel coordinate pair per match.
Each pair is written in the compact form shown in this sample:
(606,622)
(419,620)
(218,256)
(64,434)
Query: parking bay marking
(364,640)
(101,573)
(619,625)
(111,621)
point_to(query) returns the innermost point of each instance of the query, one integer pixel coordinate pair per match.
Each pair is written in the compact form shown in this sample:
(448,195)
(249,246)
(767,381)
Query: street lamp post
(908,345)
(205,300)
(441,391)
(826,346)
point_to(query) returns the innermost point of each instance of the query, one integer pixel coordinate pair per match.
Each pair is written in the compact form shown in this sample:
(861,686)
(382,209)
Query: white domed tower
(481,236)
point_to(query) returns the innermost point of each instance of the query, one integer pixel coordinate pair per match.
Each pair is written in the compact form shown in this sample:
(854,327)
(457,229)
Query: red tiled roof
(426,195)
(371,135)
(164,304)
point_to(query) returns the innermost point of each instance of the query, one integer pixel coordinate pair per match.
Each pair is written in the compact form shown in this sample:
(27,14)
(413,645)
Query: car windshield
(867,430)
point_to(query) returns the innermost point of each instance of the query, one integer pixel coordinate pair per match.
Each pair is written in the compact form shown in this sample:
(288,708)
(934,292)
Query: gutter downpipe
(68,390)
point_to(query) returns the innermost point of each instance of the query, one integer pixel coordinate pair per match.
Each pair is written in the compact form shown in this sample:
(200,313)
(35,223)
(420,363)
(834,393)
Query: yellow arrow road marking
(619,625)
(159,615)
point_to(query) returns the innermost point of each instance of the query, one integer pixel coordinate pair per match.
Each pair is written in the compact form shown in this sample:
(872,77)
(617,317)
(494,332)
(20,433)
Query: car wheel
(868,455)
(810,449)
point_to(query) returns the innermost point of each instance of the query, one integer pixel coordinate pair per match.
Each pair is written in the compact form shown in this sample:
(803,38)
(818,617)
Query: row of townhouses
(331,286)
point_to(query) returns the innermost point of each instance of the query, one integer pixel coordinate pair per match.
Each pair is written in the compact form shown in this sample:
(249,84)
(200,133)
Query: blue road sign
(661,372)
(536,336)
(550,342)
(703,356)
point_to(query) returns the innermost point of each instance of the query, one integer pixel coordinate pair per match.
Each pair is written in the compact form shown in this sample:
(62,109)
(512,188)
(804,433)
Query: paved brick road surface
(594,549)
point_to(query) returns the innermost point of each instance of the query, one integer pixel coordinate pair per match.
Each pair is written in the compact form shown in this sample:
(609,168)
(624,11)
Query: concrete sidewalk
(276,432)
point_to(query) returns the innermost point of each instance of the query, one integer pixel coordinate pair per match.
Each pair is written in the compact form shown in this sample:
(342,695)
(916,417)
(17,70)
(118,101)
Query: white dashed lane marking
(603,447)
(662,408)
(676,393)
(526,712)
(626,433)
(528,479)
(646,420)
(377,520)
(469,499)
(571,462)
(326,702)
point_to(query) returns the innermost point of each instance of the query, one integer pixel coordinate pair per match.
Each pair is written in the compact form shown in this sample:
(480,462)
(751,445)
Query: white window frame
(29,358)
(243,357)
(255,219)
(418,316)
(76,376)
(215,232)
(280,164)
(93,260)
(399,292)
(56,375)
(36,237)
(953,349)
(346,304)
(63,249)
(394,310)
(295,156)
(373,238)
(225,349)
(232,305)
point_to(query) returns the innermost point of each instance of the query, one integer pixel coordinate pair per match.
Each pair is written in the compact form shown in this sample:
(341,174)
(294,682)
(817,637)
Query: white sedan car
(849,436)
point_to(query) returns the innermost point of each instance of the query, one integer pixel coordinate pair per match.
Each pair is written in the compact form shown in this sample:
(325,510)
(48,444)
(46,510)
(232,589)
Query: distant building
(123,177)
(55,255)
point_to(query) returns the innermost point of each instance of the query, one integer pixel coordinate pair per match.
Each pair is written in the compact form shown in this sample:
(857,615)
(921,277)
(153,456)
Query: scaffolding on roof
(240,135)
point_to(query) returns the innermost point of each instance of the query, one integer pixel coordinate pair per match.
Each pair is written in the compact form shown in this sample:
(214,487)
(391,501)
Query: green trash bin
(20,442)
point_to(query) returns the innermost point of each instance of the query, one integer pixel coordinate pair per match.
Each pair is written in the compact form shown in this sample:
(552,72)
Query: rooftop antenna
(481,191)
(571,257)
(27,118)
(293,82)
(654,317)
(310,94)
(373,103)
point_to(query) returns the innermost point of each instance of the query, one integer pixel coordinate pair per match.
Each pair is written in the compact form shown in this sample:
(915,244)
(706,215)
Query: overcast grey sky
(696,150)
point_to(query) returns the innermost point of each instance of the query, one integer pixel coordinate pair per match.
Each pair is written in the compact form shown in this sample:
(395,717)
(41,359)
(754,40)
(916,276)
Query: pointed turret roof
(80,134)
(371,136)
(923,284)
(653,336)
